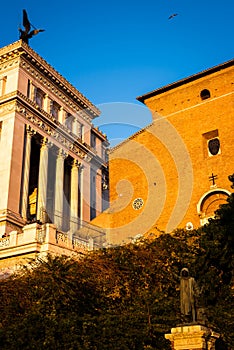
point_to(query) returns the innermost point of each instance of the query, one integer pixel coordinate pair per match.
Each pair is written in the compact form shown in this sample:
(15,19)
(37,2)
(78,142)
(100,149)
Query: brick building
(174,172)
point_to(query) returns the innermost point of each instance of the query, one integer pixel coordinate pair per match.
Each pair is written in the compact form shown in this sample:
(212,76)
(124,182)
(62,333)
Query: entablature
(48,126)
(30,60)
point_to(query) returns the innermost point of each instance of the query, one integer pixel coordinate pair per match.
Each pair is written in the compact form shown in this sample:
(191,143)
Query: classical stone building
(53,161)
(174,172)
(54,173)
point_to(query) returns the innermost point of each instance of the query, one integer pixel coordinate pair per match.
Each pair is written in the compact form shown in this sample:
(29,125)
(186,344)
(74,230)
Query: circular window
(137,203)
(214,146)
(189,226)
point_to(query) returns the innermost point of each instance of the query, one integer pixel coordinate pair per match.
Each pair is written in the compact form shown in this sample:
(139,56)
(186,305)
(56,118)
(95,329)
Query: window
(211,143)
(92,194)
(104,153)
(68,121)
(29,89)
(81,132)
(209,203)
(38,97)
(93,140)
(205,94)
(214,146)
(54,109)
(105,190)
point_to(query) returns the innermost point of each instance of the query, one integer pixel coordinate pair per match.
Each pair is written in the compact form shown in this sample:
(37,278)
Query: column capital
(81,167)
(88,158)
(30,131)
(61,153)
(76,163)
(45,143)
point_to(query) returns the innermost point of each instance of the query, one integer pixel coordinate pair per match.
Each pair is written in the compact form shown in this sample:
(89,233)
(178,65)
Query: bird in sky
(173,15)
(26,33)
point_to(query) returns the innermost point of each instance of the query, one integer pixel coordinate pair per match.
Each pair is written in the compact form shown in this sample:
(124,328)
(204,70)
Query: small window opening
(214,146)
(54,109)
(39,97)
(205,94)
(68,121)
(93,140)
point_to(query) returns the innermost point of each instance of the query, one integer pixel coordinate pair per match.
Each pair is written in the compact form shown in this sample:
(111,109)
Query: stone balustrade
(40,239)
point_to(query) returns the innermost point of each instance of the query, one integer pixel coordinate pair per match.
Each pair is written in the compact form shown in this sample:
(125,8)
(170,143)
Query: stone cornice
(100,134)
(60,94)
(187,80)
(10,51)
(40,120)
(21,49)
(7,65)
(14,218)
(54,131)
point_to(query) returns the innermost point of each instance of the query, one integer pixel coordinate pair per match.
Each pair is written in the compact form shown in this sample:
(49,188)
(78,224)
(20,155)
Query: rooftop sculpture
(27,33)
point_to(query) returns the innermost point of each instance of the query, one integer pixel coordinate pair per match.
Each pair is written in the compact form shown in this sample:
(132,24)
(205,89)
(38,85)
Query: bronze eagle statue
(27,33)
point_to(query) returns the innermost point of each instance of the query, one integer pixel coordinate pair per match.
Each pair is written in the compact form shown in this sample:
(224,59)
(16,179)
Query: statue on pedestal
(189,293)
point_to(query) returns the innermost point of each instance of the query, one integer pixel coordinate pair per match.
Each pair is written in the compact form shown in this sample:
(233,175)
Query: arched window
(205,94)
(209,203)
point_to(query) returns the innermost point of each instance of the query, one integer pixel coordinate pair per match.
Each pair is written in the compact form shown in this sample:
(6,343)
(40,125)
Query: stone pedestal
(192,337)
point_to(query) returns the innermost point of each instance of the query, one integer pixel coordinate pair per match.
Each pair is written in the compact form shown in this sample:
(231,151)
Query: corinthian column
(74,195)
(29,133)
(59,194)
(42,181)
(81,199)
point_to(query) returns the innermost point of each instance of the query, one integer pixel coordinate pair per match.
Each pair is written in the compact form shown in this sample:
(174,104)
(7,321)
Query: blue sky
(115,51)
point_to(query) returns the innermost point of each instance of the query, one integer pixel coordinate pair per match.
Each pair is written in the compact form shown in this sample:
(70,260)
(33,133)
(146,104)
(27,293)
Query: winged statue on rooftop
(27,33)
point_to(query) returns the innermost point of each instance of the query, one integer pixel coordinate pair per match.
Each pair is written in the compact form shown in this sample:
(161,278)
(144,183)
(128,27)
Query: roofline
(21,48)
(180,82)
(99,133)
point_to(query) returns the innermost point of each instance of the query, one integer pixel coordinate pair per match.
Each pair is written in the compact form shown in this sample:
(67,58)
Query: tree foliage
(125,297)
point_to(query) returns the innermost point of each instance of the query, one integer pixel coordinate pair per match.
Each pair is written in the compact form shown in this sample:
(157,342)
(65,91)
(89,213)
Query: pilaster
(61,115)
(76,128)
(47,103)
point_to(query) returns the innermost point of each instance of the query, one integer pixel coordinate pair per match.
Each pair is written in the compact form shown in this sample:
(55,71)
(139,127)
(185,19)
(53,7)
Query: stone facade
(52,158)
(174,173)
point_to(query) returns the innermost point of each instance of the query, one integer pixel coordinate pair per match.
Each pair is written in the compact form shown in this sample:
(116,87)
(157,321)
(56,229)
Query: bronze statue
(26,33)
(188,295)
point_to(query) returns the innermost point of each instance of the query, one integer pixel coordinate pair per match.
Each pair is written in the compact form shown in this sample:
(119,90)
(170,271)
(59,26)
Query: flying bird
(26,33)
(173,15)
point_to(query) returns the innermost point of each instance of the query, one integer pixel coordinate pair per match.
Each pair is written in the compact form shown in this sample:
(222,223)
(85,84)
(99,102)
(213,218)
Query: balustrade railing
(88,237)
(4,242)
